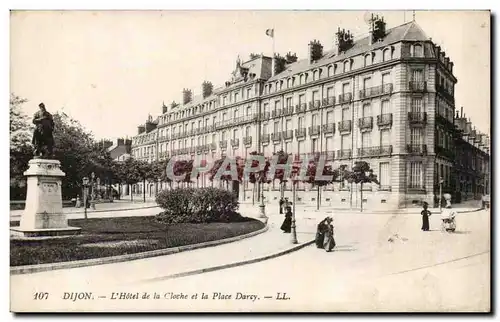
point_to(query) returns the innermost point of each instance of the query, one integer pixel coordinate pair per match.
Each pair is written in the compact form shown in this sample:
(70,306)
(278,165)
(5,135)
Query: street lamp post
(440,192)
(92,193)
(85,193)
(262,206)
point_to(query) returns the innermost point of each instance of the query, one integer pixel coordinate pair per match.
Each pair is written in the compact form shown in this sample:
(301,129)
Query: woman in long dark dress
(287,223)
(329,242)
(425,217)
(320,233)
(281,205)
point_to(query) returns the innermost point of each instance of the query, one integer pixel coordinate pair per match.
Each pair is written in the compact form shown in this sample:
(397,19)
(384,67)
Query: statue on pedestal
(43,140)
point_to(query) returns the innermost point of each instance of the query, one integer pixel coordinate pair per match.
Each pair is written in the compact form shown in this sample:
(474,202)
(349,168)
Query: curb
(225,266)
(26,269)
(103,210)
(385,212)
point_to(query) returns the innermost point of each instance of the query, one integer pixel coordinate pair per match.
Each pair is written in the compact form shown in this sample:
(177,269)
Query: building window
(385,137)
(416,136)
(346,66)
(289,102)
(329,117)
(416,105)
(417,75)
(418,51)
(236,97)
(235,134)
(288,125)
(367,110)
(366,139)
(368,60)
(249,92)
(367,83)
(345,114)
(330,71)
(416,175)
(235,114)
(387,54)
(247,131)
(277,105)
(315,75)
(346,88)
(276,127)
(266,107)
(302,98)
(214,138)
(301,122)
(345,142)
(384,174)
(329,92)
(314,120)
(223,136)
(301,79)
(385,107)
(249,110)
(289,83)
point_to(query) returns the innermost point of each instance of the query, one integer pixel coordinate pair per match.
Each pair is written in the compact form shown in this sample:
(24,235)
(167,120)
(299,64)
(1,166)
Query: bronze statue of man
(43,140)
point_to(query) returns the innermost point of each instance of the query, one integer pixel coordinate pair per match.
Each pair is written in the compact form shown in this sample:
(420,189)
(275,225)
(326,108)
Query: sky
(110,69)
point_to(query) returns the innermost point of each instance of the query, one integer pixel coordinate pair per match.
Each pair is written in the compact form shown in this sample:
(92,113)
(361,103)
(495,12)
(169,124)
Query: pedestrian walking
(329,241)
(287,223)
(320,232)
(425,217)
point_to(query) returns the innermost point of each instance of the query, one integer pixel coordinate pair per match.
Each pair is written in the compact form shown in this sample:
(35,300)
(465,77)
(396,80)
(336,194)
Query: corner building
(375,99)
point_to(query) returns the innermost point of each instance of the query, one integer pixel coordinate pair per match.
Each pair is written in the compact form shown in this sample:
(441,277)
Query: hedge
(197,205)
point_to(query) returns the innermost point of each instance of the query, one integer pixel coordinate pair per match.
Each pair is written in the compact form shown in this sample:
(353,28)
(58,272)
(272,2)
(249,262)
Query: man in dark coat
(42,136)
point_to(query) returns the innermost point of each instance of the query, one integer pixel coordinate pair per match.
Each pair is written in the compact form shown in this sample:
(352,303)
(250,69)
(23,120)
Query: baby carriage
(448,222)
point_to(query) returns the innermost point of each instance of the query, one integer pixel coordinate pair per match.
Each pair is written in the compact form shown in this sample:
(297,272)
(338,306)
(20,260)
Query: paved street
(417,271)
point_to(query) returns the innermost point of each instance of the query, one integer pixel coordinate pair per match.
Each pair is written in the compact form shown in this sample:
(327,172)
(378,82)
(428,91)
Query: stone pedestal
(43,214)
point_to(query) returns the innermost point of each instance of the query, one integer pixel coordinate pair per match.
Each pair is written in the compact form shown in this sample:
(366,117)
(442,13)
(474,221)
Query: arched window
(289,83)
(418,50)
(368,60)
(330,71)
(387,54)
(315,75)
(301,79)
(347,66)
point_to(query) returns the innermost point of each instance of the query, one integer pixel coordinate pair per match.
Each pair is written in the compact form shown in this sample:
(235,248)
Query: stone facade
(367,100)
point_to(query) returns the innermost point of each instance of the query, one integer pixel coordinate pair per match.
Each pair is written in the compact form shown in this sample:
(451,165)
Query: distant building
(120,149)
(387,99)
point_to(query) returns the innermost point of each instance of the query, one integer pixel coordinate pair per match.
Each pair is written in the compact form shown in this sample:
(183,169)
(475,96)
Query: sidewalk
(117,205)
(267,244)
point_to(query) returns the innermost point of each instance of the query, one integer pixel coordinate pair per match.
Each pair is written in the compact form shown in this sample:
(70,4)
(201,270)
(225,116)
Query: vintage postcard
(250,161)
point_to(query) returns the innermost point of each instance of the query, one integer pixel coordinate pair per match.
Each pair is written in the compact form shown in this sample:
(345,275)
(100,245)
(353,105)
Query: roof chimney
(315,51)
(206,89)
(187,96)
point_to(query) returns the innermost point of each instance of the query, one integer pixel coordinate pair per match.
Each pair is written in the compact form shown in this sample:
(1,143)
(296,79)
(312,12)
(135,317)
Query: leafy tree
(328,171)
(361,173)
(21,150)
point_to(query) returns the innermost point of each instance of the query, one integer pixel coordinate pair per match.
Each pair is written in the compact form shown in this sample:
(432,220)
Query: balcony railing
(288,134)
(344,154)
(300,108)
(235,142)
(375,91)
(329,101)
(345,126)
(264,138)
(328,128)
(416,149)
(314,105)
(375,151)
(345,98)
(276,113)
(442,90)
(384,119)
(264,116)
(330,155)
(247,140)
(288,110)
(419,86)
(300,133)
(276,137)
(223,144)
(417,117)
(365,123)
(314,130)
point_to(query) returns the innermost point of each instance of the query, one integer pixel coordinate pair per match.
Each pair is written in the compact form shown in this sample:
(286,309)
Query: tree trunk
(130,191)
(317,201)
(144,189)
(361,196)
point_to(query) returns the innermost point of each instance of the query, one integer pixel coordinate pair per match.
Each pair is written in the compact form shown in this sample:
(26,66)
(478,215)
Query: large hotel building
(387,99)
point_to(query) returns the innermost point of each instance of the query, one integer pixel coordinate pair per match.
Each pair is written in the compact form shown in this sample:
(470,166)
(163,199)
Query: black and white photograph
(250,161)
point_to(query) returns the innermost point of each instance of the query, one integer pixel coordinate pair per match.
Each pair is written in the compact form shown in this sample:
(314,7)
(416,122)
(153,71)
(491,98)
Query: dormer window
(347,66)
(301,79)
(315,75)
(330,71)
(418,50)
(368,60)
